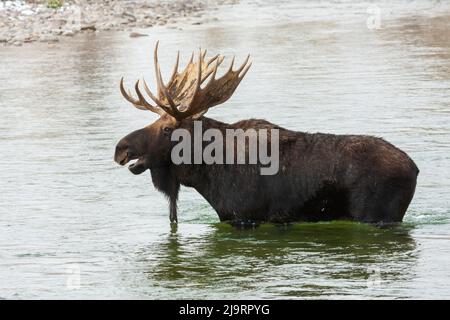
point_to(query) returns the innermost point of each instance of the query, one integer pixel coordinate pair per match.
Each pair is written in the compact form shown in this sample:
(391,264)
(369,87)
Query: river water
(73,224)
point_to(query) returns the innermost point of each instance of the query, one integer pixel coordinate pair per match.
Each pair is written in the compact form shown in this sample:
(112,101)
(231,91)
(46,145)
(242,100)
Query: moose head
(181,100)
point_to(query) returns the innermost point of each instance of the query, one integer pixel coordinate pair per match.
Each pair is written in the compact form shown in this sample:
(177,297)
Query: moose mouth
(138,166)
(134,162)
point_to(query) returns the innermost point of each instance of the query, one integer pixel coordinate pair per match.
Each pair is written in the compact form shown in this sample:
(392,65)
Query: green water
(302,260)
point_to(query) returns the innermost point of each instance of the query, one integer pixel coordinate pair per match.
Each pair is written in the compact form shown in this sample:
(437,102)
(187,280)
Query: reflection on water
(304,260)
(65,205)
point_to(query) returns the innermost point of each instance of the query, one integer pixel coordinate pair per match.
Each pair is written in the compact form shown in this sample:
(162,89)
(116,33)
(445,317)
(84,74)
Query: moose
(321,177)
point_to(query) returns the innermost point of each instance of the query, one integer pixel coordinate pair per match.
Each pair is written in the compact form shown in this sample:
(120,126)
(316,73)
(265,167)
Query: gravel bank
(28,21)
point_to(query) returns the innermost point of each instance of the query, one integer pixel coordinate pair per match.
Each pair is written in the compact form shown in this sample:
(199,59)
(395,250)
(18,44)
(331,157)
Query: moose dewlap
(308,177)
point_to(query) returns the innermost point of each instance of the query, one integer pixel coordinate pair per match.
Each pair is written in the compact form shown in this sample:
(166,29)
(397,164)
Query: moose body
(320,177)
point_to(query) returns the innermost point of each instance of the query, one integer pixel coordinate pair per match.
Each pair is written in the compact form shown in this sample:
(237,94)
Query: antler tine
(150,93)
(199,74)
(214,70)
(211,80)
(243,65)
(175,69)
(156,63)
(245,70)
(126,95)
(212,59)
(231,65)
(153,97)
(142,100)
(204,54)
(137,103)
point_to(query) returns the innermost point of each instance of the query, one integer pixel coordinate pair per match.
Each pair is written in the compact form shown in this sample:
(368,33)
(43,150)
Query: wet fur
(321,177)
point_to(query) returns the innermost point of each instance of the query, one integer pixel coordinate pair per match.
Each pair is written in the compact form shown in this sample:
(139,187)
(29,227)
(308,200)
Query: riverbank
(47,21)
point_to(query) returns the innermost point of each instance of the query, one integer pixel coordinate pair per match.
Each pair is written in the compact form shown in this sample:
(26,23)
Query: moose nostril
(124,159)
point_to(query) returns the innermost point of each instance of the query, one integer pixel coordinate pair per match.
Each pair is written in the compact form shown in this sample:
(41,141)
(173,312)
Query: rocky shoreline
(29,21)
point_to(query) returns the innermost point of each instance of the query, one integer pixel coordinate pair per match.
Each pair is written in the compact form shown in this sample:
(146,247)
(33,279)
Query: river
(73,224)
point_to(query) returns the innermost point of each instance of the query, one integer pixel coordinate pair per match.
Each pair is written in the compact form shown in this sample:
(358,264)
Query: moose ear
(183,108)
(198,115)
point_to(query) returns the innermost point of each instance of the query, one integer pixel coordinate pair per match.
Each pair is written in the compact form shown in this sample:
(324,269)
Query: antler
(183,96)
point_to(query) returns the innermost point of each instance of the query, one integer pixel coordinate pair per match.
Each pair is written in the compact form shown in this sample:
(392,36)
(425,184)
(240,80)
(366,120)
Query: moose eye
(167,130)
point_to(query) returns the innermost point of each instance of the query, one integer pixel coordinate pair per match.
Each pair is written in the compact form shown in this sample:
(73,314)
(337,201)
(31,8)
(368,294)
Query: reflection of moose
(321,176)
(312,260)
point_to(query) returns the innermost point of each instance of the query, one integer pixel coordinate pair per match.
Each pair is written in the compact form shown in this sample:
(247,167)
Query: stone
(68,33)
(137,34)
(90,27)
(130,17)
(27,12)
(56,23)
(49,39)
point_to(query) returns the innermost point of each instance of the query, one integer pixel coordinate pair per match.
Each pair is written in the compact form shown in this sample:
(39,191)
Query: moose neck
(202,177)
(197,175)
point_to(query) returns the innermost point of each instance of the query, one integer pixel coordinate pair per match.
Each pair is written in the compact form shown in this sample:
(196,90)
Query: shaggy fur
(321,176)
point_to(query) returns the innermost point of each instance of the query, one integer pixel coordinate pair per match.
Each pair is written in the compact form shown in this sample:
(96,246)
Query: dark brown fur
(321,176)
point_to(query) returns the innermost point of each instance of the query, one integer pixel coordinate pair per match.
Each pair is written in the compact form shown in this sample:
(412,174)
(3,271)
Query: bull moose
(321,176)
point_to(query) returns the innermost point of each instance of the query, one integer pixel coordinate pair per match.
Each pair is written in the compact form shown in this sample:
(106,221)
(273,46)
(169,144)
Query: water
(73,224)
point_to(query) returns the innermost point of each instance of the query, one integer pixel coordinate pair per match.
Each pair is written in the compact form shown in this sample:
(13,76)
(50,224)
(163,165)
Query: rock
(137,34)
(68,33)
(129,16)
(54,24)
(19,37)
(90,27)
(49,39)
(27,12)
(31,37)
